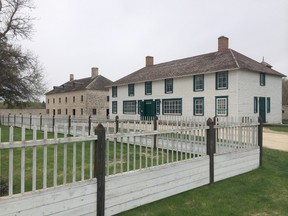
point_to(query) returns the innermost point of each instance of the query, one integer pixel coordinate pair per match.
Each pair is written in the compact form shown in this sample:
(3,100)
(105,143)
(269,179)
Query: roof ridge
(231,51)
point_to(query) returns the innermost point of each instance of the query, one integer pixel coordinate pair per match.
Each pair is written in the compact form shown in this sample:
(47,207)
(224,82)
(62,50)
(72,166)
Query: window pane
(199,82)
(130,89)
(172,106)
(222,80)
(114,107)
(129,107)
(198,106)
(222,106)
(148,88)
(114,91)
(169,86)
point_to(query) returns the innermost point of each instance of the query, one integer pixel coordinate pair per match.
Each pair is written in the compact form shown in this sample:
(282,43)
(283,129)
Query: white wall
(242,88)
(249,87)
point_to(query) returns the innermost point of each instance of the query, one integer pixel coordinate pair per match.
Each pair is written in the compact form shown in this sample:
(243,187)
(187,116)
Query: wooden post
(9,119)
(69,123)
(53,123)
(30,121)
(155,122)
(99,168)
(211,147)
(89,125)
(40,122)
(117,124)
(22,120)
(260,139)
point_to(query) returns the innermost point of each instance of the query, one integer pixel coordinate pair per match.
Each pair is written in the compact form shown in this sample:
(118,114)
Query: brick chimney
(71,77)
(223,43)
(94,72)
(149,61)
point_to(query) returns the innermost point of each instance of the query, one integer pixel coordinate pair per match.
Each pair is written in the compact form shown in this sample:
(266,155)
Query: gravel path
(275,140)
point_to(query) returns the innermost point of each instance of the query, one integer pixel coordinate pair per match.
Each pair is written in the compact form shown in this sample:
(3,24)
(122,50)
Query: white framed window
(168,86)
(221,106)
(129,107)
(222,80)
(172,106)
(198,106)
(198,82)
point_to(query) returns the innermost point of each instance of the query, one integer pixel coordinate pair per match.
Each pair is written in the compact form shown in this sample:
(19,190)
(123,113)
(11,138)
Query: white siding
(249,87)
(243,86)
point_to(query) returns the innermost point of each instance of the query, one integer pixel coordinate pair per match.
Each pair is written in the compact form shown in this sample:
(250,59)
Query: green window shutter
(268,105)
(255,104)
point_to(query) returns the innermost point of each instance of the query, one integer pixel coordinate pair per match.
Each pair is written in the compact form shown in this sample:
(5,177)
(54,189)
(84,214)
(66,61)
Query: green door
(262,108)
(147,108)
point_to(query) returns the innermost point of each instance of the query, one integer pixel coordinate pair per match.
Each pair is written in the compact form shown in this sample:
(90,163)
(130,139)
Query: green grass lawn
(139,161)
(281,128)
(262,192)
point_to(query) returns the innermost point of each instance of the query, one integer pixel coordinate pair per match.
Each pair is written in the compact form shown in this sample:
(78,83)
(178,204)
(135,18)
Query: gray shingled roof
(208,63)
(90,83)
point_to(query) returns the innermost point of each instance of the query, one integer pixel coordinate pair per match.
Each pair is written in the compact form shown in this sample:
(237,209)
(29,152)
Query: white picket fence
(138,158)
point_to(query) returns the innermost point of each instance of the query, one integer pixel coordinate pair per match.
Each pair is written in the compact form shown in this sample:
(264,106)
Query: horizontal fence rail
(33,160)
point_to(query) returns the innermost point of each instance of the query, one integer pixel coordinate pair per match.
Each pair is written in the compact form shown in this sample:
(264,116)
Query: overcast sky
(71,36)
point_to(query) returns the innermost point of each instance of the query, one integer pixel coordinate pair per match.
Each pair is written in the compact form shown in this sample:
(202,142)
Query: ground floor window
(172,106)
(221,106)
(129,107)
(198,106)
(114,107)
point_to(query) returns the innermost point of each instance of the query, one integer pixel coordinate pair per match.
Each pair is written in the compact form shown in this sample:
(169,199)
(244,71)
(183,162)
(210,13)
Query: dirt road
(275,140)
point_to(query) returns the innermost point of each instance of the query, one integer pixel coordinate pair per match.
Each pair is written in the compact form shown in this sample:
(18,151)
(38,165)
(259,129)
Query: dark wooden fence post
(22,120)
(99,168)
(9,119)
(14,119)
(89,125)
(30,121)
(53,123)
(155,122)
(211,147)
(40,122)
(69,123)
(117,124)
(260,139)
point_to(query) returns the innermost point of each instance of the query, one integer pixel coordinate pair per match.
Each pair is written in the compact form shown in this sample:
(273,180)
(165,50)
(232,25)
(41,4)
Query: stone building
(87,96)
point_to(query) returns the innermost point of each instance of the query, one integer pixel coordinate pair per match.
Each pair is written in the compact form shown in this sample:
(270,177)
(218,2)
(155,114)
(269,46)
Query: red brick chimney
(223,43)
(149,60)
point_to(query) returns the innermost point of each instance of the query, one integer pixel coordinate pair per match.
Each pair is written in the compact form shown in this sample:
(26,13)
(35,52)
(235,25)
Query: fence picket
(11,154)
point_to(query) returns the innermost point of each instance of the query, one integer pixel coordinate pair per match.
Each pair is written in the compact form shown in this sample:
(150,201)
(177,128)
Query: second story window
(168,86)
(66,99)
(130,89)
(198,81)
(53,100)
(114,91)
(262,79)
(82,98)
(73,99)
(148,88)
(222,80)
(59,100)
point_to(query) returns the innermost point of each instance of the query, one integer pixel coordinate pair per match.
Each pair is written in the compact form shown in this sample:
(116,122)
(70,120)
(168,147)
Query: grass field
(121,164)
(281,128)
(262,192)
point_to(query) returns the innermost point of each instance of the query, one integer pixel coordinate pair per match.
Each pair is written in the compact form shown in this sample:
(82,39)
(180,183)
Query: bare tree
(21,75)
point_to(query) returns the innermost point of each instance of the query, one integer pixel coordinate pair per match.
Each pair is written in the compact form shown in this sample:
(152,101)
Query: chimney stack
(223,43)
(149,61)
(94,72)
(71,77)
